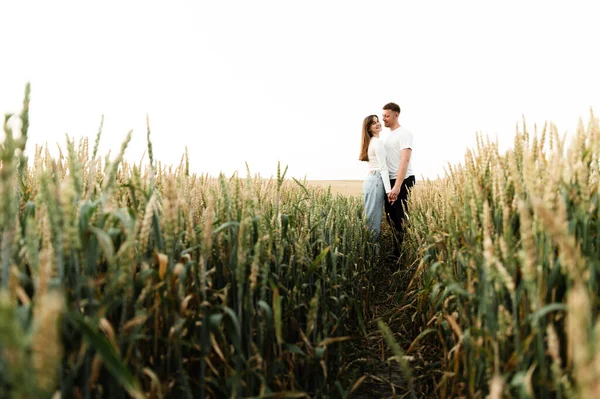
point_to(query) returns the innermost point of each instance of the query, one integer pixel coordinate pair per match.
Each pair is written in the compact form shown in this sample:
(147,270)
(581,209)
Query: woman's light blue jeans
(374,195)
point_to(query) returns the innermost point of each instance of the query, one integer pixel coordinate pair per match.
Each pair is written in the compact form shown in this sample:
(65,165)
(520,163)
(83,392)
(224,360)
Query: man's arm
(402,168)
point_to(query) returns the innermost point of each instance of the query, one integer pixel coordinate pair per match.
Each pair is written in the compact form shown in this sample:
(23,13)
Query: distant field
(345,187)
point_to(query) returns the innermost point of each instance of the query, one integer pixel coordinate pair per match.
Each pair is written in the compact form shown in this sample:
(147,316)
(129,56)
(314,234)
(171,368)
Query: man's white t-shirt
(397,141)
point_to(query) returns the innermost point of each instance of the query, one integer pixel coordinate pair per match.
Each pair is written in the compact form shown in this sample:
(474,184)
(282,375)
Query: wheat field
(145,280)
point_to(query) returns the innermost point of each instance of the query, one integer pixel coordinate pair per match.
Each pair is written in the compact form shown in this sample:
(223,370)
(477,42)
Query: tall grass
(139,280)
(508,252)
(143,280)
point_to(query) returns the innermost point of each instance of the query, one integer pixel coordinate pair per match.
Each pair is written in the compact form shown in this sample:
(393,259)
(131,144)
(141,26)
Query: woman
(377,182)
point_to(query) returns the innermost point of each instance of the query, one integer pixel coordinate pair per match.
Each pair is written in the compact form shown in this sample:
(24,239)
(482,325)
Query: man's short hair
(392,107)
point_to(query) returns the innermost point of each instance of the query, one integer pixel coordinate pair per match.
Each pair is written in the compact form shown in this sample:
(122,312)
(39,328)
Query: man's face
(388,117)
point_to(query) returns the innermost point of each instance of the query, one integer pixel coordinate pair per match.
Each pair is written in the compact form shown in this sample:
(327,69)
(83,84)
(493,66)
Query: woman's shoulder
(376,141)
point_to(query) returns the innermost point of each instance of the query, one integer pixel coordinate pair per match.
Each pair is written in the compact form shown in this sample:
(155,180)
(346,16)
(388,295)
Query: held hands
(393,195)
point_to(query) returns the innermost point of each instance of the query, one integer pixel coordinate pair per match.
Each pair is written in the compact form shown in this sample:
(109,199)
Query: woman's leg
(379,200)
(373,192)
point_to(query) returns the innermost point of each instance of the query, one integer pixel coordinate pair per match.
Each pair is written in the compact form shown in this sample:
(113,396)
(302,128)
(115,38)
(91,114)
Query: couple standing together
(391,175)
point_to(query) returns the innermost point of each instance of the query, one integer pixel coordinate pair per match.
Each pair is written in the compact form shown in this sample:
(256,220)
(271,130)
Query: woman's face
(375,126)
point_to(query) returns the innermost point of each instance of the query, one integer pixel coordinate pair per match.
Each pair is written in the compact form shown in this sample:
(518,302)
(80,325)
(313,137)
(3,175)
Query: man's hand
(393,195)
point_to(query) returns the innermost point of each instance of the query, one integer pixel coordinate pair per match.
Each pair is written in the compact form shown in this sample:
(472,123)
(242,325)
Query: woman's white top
(377,162)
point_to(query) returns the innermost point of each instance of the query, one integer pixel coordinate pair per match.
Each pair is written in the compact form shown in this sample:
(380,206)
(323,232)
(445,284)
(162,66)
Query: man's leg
(393,218)
(407,185)
(395,213)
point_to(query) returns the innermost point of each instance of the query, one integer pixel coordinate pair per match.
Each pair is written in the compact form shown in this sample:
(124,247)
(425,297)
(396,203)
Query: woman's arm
(382,165)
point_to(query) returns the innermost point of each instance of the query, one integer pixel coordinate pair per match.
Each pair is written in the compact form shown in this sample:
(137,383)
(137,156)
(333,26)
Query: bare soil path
(393,301)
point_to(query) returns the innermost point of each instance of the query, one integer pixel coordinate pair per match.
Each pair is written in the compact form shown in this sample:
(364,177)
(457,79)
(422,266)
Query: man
(398,148)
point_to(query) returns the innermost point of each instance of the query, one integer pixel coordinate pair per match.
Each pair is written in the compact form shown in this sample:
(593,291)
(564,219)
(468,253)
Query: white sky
(262,81)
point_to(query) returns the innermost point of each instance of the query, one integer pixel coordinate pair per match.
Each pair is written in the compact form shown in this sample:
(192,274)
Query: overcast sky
(291,81)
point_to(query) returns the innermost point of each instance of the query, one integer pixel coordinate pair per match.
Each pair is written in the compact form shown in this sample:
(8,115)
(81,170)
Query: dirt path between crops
(392,304)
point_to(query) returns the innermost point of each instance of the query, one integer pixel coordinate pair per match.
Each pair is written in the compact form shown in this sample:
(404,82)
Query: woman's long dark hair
(366,137)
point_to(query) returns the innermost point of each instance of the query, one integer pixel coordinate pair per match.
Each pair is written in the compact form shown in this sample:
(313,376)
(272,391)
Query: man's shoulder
(400,133)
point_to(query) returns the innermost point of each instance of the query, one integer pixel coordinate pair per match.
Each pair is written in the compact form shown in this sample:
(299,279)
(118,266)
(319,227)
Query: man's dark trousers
(395,213)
